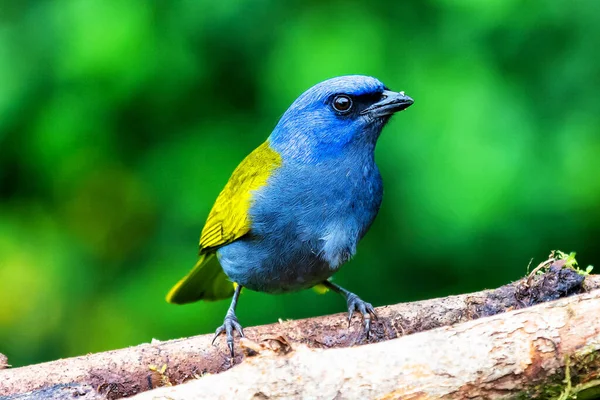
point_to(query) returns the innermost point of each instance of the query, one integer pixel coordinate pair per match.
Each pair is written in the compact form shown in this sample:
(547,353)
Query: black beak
(390,103)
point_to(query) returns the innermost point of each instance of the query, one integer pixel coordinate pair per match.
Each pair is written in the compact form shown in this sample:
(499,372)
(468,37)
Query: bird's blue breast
(305,222)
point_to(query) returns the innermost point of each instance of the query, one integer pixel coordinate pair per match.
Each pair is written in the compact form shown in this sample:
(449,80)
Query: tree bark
(520,354)
(119,373)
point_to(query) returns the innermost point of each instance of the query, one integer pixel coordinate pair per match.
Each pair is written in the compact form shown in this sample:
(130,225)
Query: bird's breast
(327,207)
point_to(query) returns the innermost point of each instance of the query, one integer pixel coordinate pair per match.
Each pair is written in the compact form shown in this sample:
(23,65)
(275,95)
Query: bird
(294,210)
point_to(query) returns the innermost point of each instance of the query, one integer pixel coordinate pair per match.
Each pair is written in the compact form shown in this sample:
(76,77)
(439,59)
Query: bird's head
(346,112)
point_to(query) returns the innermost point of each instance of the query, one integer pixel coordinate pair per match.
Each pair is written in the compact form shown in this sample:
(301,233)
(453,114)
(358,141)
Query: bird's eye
(342,103)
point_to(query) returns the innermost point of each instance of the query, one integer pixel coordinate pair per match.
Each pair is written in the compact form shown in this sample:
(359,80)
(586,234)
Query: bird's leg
(230,323)
(355,303)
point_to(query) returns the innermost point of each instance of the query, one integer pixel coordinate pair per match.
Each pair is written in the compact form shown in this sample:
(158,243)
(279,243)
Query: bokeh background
(121,120)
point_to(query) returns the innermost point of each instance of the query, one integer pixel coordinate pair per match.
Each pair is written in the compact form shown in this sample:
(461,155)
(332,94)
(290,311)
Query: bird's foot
(229,325)
(367,311)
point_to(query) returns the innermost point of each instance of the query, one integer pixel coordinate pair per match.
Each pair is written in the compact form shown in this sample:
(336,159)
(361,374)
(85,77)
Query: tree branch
(519,354)
(120,373)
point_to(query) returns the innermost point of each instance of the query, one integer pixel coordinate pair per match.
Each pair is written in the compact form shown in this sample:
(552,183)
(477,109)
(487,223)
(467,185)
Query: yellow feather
(320,288)
(228,219)
(206,281)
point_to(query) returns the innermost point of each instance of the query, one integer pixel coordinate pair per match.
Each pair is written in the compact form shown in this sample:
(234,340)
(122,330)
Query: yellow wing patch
(228,220)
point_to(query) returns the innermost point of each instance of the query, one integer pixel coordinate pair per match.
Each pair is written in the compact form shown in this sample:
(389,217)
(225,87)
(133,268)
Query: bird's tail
(206,281)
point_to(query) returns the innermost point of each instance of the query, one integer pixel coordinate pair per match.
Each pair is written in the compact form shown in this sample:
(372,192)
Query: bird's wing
(228,219)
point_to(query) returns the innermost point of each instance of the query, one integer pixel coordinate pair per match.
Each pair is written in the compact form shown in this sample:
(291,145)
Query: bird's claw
(367,311)
(229,324)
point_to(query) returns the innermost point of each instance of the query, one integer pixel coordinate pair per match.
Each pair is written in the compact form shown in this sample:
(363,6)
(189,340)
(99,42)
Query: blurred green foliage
(121,120)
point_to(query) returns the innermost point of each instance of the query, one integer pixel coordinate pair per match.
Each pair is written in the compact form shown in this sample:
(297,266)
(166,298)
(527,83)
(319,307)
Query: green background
(120,121)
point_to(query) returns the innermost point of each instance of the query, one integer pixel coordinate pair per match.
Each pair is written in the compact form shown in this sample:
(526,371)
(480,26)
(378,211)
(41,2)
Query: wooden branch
(125,372)
(520,354)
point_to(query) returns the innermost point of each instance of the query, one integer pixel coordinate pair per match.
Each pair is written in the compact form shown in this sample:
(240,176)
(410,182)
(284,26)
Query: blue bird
(294,210)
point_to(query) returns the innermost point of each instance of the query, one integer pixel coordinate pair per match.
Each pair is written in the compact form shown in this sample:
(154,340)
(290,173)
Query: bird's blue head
(339,114)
